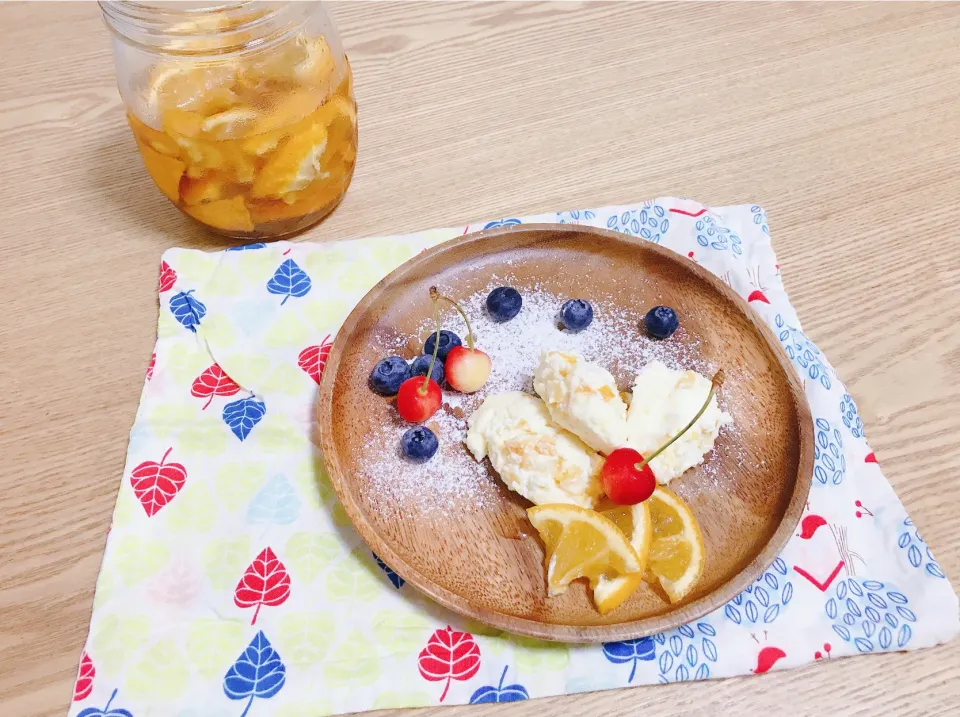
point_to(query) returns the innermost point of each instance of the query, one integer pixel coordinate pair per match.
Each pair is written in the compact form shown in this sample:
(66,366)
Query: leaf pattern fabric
(233,584)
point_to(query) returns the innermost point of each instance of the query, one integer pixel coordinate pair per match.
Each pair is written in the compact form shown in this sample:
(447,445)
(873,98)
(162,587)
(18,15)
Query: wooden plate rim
(550,631)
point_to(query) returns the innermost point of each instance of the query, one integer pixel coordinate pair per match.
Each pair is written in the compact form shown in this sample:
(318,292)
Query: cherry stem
(714,385)
(435,295)
(436,346)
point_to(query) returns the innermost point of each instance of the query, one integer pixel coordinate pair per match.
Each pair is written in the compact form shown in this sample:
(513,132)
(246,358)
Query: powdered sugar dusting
(452,478)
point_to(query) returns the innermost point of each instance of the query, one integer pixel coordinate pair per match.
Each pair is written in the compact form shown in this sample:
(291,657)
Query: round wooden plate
(469,557)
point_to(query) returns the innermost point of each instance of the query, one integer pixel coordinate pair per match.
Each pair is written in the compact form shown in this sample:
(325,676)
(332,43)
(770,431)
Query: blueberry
(576,315)
(388,374)
(421,365)
(661,322)
(448,340)
(504,303)
(419,444)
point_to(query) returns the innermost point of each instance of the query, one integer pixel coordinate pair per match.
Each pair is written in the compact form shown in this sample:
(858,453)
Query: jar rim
(162,27)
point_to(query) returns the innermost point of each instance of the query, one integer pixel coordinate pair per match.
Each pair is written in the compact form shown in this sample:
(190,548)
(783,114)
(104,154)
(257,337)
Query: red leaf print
(168,277)
(809,525)
(265,582)
(156,484)
(449,655)
(757,295)
(213,382)
(153,362)
(313,358)
(871,458)
(84,684)
(767,658)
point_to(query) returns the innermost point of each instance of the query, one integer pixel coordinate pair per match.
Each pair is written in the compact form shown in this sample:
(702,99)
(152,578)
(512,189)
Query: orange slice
(310,200)
(581,543)
(166,171)
(634,521)
(676,550)
(293,166)
(153,137)
(225,214)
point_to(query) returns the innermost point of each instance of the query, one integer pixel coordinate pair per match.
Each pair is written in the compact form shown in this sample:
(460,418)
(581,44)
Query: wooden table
(843,120)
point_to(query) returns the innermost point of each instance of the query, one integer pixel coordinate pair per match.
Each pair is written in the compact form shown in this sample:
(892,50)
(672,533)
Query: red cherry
(622,482)
(467,369)
(817,655)
(826,646)
(859,514)
(415,406)
(858,503)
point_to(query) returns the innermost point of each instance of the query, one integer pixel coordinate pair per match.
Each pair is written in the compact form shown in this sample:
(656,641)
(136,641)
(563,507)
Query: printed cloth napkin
(233,584)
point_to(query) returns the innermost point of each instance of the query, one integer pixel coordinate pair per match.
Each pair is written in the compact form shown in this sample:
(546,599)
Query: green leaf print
(288,330)
(166,419)
(352,580)
(236,483)
(310,708)
(313,484)
(161,674)
(183,361)
(307,554)
(278,434)
(398,700)
(137,558)
(116,639)
(401,631)
(194,511)
(203,436)
(352,662)
(287,380)
(224,560)
(126,507)
(304,638)
(531,655)
(213,643)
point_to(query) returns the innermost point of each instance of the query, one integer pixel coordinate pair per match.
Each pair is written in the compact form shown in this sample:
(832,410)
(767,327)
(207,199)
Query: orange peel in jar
(318,66)
(224,214)
(190,86)
(165,170)
(310,200)
(154,138)
(293,166)
(229,124)
(202,189)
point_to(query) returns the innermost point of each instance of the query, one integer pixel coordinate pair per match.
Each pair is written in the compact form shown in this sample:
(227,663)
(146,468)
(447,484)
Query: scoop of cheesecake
(583,398)
(533,455)
(664,400)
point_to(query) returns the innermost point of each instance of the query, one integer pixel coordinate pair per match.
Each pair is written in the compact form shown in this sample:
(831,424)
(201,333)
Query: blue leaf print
(276,502)
(501,223)
(866,609)
(851,418)
(709,649)
(829,461)
(802,352)
(491,694)
(732,613)
(632,651)
(760,218)
(714,236)
(686,653)
(241,416)
(574,216)
(289,280)
(650,222)
(106,711)
(392,576)
(257,673)
(771,613)
(187,310)
(917,551)
(248,247)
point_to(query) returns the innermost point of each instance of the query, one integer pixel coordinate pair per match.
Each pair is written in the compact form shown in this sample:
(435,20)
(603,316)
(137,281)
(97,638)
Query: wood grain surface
(746,519)
(842,120)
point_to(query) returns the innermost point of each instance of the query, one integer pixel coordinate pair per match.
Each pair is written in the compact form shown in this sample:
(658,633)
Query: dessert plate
(451,529)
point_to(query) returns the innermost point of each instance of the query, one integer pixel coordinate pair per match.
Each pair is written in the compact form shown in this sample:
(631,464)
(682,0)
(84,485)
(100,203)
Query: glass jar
(243,112)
